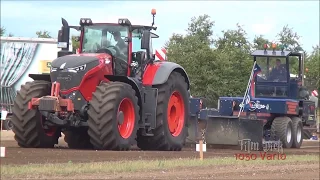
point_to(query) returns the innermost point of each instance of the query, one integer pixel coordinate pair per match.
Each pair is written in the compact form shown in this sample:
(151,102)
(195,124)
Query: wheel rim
(50,131)
(289,134)
(299,134)
(126,111)
(175,114)
(10,125)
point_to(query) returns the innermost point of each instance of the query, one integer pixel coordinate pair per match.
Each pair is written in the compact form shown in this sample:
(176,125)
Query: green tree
(75,43)
(290,38)
(312,63)
(193,52)
(201,27)
(259,42)
(43,34)
(2,31)
(234,62)
(219,71)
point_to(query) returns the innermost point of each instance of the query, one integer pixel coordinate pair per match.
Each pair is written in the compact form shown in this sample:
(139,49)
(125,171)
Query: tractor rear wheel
(27,124)
(113,116)
(297,129)
(77,138)
(282,128)
(171,118)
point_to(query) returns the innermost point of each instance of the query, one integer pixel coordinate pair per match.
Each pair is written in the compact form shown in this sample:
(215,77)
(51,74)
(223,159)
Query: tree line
(221,66)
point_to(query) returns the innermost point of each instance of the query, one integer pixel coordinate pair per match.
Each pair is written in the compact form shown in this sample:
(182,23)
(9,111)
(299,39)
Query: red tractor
(112,95)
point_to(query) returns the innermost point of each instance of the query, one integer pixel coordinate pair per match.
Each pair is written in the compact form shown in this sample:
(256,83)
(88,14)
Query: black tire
(297,129)
(307,134)
(77,138)
(27,124)
(163,139)
(103,112)
(7,125)
(281,126)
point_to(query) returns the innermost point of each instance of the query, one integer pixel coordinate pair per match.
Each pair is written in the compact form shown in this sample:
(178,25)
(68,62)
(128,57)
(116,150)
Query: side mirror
(60,36)
(63,39)
(145,40)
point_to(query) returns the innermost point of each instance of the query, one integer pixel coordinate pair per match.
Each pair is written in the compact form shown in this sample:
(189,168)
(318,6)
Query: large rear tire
(282,128)
(77,138)
(297,129)
(113,117)
(27,124)
(171,118)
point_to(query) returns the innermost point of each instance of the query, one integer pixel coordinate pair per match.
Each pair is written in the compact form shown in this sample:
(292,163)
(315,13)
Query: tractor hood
(70,70)
(73,61)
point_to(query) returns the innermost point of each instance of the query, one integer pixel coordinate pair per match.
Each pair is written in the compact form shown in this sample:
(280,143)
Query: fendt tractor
(276,112)
(110,96)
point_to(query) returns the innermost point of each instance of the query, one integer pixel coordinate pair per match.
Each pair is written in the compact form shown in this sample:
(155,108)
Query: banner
(44,67)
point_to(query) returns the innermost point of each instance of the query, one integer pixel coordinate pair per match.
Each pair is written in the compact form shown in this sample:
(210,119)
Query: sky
(267,18)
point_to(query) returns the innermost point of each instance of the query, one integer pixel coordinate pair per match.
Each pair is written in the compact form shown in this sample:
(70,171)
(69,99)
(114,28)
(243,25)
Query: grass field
(68,169)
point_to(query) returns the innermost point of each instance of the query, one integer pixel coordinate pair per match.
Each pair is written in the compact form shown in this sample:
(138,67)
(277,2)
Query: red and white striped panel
(161,54)
(315,93)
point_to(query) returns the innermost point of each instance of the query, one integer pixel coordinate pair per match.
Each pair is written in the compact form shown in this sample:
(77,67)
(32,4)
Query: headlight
(77,69)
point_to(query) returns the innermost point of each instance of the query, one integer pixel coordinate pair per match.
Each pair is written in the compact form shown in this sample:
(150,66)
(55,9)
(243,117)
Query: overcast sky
(24,18)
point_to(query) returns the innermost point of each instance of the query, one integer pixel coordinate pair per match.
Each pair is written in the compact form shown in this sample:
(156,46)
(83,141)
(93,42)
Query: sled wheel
(282,128)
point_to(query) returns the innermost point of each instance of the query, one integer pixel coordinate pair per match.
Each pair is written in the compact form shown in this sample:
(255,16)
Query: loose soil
(61,154)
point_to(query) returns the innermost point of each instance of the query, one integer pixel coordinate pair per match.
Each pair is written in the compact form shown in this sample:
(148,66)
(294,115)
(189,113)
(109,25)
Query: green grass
(33,170)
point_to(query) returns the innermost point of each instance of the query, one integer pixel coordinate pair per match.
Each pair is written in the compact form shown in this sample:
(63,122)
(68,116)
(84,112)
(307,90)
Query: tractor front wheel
(113,117)
(171,118)
(28,124)
(282,128)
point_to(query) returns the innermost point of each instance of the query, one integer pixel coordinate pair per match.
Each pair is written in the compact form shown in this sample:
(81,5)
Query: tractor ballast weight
(111,95)
(277,112)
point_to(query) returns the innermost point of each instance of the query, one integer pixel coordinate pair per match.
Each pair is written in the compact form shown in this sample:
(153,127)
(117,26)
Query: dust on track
(61,153)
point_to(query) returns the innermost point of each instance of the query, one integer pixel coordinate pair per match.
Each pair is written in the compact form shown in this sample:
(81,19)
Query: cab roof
(271,53)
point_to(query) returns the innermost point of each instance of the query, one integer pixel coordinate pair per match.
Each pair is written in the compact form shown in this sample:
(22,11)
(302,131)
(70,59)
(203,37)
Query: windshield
(273,69)
(111,37)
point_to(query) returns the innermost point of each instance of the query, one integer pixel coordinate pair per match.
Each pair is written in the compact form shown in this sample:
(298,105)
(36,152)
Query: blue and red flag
(250,93)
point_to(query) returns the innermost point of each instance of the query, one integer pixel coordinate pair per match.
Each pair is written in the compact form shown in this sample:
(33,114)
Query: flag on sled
(250,91)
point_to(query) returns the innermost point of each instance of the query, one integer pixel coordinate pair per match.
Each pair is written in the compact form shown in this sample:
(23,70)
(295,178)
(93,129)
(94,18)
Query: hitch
(53,119)
(52,103)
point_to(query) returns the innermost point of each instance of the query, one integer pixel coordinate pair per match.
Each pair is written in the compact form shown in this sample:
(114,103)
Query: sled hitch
(222,130)
(52,103)
(67,121)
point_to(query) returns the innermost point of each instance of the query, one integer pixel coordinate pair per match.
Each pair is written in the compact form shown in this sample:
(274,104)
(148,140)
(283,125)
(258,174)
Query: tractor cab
(129,45)
(281,74)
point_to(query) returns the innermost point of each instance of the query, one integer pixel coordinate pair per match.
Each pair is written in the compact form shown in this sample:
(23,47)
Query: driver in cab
(120,42)
(278,73)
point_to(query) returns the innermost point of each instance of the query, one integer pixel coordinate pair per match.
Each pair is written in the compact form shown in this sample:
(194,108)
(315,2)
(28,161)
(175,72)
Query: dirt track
(61,154)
